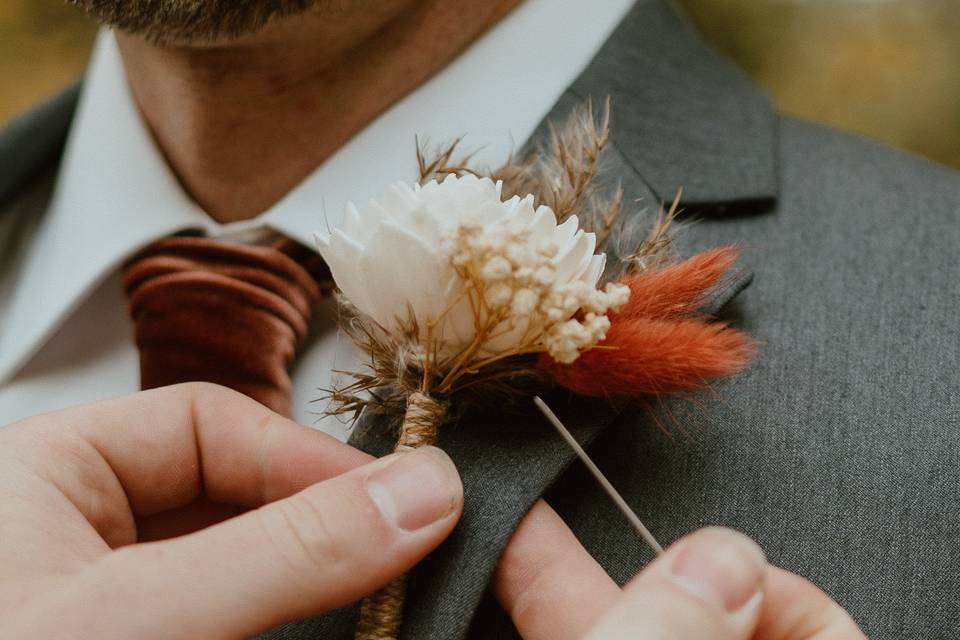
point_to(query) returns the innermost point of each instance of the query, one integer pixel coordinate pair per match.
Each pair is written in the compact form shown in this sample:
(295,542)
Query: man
(836,450)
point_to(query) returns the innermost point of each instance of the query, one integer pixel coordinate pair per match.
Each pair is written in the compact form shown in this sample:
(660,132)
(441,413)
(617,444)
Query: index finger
(168,446)
(796,609)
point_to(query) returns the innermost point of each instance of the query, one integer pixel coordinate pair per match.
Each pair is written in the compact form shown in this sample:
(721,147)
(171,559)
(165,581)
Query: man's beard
(193,20)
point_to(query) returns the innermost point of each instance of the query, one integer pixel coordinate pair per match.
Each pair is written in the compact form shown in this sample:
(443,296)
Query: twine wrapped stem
(380,613)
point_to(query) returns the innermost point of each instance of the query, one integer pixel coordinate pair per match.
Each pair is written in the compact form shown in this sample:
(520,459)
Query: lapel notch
(682,115)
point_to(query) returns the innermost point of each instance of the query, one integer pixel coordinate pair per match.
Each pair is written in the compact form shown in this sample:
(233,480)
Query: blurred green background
(884,68)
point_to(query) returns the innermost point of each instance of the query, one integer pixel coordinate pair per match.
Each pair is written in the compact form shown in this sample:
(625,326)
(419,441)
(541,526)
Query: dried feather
(658,343)
(676,290)
(562,174)
(395,369)
(645,356)
(656,249)
(439,162)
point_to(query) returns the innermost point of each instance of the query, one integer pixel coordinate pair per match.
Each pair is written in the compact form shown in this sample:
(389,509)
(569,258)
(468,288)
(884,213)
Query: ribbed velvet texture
(232,314)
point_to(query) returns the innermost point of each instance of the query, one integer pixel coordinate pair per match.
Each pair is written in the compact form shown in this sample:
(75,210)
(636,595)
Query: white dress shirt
(65,337)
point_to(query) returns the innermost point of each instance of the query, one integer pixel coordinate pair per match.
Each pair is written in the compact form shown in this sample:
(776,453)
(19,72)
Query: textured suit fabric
(26,148)
(837,450)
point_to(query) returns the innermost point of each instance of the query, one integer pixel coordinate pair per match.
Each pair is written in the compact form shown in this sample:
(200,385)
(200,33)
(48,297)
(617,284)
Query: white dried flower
(524,301)
(473,269)
(499,295)
(497,268)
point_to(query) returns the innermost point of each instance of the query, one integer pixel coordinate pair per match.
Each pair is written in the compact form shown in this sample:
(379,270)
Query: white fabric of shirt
(65,337)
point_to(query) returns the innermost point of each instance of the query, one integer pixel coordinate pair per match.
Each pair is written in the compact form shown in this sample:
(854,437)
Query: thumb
(708,585)
(317,550)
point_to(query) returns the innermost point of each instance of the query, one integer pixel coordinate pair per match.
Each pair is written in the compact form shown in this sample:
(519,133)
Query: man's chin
(191,21)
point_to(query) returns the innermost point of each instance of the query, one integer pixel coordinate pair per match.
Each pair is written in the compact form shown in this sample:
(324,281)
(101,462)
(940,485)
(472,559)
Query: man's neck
(242,123)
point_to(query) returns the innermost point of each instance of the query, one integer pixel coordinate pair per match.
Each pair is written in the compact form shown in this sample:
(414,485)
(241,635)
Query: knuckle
(304,535)
(129,562)
(200,390)
(535,593)
(329,534)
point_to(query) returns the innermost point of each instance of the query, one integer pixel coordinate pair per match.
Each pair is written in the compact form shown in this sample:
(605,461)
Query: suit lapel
(682,115)
(30,142)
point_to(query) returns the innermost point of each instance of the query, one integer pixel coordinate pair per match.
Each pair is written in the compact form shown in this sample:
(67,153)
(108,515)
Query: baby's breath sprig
(523,302)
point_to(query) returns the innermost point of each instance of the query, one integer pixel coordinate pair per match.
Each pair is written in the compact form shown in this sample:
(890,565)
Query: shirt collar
(115,193)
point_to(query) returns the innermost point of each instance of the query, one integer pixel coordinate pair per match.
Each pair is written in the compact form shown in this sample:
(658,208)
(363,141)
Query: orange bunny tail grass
(677,290)
(643,356)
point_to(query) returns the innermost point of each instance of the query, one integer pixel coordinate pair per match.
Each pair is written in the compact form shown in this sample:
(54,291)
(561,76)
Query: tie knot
(221,312)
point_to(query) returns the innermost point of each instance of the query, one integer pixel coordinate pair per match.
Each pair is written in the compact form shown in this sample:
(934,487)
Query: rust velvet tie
(215,311)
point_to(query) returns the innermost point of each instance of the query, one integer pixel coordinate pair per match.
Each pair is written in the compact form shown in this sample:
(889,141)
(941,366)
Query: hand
(714,583)
(275,521)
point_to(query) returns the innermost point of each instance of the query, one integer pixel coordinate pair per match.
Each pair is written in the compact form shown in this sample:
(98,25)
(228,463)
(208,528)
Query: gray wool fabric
(837,450)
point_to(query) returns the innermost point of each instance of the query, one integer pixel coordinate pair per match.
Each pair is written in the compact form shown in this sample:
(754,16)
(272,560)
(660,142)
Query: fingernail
(416,488)
(723,568)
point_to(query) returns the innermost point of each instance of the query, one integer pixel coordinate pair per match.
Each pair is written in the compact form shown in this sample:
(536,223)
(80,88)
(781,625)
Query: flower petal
(374,215)
(400,271)
(564,233)
(575,259)
(542,226)
(351,223)
(342,254)
(523,214)
(420,223)
(458,327)
(595,269)
(511,332)
(467,198)
(399,200)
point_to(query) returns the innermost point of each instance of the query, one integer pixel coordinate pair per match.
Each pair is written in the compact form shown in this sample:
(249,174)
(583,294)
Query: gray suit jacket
(837,450)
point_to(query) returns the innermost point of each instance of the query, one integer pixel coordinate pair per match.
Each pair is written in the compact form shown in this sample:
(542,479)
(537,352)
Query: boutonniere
(480,289)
